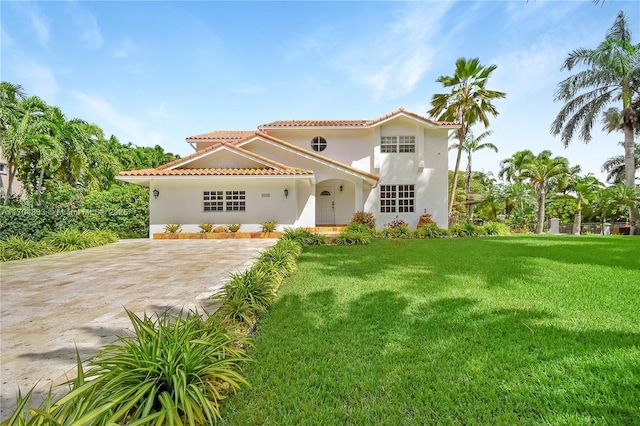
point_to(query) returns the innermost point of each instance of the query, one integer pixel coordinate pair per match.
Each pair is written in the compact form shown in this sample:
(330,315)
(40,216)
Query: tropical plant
(468,102)
(15,248)
(470,146)
(364,218)
(543,171)
(70,240)
(614,166)
(511,168)
(303,236)
(496,228)
(431,230)
(611,75)
(234,227)
(206,227)
(360,227)
(466,229)
(173,228)
(252,286)
(269,226)
(350,238)
(585,189)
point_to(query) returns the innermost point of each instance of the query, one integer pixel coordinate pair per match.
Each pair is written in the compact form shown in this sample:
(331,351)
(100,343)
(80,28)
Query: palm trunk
(10,175)
(542,201)
(630,169)
(454,184)
(577,222)
(468,188)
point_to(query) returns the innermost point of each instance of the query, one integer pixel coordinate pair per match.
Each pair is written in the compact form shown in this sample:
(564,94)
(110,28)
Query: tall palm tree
(471,145)
(543,172)
(468,102)
(612,74)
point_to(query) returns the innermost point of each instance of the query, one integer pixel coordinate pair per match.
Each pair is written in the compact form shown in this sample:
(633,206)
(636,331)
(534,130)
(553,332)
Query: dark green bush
(360,227)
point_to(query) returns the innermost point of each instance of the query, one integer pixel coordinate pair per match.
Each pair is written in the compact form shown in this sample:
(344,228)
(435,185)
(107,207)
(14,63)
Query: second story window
(394,144)
(318,143)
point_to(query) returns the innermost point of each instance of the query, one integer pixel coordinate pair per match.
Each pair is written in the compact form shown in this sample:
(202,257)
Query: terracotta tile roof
(218,172)
(313,123)
(221,135)
(349,123)
(315,155)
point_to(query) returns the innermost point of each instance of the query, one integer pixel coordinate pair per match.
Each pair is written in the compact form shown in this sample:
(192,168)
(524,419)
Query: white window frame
(224,201)
(397,198)
(397,144)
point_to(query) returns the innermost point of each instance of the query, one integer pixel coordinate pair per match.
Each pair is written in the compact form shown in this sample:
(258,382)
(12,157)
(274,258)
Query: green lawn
(503,330)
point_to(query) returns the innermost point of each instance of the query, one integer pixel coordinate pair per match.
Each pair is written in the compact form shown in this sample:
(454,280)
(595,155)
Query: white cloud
(41,26)
(87,26)
(126,128)
(36,79)
(124,50)
(393,62)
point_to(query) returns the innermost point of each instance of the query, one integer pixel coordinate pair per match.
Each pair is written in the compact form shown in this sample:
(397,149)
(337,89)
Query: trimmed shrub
(364,218)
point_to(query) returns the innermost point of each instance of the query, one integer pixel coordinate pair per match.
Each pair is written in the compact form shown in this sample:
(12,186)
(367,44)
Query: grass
(504,330)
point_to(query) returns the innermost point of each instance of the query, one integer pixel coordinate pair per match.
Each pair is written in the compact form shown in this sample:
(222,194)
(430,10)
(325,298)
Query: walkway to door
(54,304)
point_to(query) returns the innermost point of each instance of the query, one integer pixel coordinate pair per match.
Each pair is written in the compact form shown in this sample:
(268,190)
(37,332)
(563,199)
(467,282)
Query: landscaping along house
(304,173)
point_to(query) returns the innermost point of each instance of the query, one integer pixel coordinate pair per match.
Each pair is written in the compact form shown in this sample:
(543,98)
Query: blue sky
(155,72)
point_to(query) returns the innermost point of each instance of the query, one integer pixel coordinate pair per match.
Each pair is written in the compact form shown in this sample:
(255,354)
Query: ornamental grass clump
(15,248)
(304,237)
(496,228)
(352,238)
(269,226)
(431,230)
(71,239)
(173,370)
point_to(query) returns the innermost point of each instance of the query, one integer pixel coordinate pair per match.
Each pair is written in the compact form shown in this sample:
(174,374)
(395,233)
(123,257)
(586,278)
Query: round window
(318,143)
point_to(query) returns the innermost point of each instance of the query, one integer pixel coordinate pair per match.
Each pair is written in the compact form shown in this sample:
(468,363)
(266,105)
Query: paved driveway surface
(54,304)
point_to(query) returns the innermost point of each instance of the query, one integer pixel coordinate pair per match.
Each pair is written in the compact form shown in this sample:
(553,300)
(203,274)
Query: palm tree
(612,75)
(510,168)
(543,172)
(468,102)
(585,189)
(471,145)
(22,131)
(614,166)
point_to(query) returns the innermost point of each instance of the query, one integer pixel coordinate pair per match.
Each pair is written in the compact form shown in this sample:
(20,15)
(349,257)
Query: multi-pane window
(235,201)
(218,201)
(397,198)
(392,144)
(213,201)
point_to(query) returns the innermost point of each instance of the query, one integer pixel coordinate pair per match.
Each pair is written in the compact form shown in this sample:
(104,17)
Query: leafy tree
(468,102)
(612,74)
(471,145)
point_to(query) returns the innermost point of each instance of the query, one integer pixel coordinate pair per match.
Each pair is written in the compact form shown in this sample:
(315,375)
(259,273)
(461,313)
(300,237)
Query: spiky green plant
(303,236)
(15,248)
(350,238)
(70,239)
(281,257)
(206,227)
(252,285)
(431,230)
(496,228)
(173,228)
(234,227)
(101,237)
(269,226)
(173,370)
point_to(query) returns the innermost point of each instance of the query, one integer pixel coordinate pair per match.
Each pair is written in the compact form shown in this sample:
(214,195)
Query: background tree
(543,172)
(471,145)
(511,168)
(468,102)
(615,166)
(612,74)
(585,190)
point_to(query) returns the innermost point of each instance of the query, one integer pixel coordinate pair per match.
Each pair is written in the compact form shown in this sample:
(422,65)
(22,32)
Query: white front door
(326,213)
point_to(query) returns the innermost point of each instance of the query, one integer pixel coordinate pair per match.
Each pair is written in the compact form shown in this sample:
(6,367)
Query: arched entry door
(326,203)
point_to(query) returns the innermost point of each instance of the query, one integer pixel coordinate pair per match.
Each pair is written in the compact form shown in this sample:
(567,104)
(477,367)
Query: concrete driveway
(54,304)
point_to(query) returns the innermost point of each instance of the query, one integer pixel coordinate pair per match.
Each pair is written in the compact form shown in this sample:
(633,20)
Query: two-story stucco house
(305,174)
